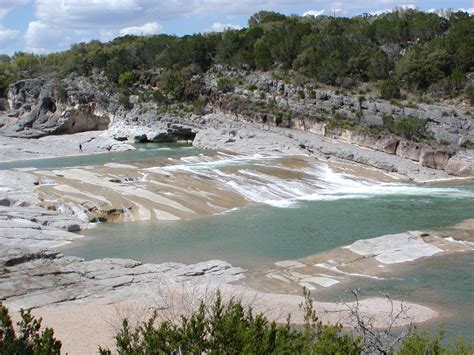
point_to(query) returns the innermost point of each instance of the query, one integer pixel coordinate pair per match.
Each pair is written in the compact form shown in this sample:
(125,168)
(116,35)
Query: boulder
(409,150)
(461,164)
(427,158)
(387,145)
(435,159)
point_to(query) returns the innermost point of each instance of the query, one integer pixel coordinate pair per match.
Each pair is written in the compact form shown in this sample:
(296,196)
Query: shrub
(124,100)
(159,97)
(467,144)
(199,104)
(231,329)
(126,79)
(390,89)
(61,93)
(469,93)
(225,85)
(29,339)
(409,127)
(301,94)
(410,104)
(425,343)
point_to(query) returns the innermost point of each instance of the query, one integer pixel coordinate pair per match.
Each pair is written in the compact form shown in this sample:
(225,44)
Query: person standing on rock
(80,147)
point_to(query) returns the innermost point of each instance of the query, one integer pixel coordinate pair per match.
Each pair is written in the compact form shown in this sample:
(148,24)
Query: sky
(45,26)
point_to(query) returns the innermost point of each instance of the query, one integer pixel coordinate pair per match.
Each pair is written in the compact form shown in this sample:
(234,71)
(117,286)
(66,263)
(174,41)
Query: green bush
(29,340)
(159,97)
(229,328)
(225,85)
(390,89)
(469,93)
(409,127)
(425,343)
(199,104)
(61,93)
(126,79)
(232,329)
(124,100)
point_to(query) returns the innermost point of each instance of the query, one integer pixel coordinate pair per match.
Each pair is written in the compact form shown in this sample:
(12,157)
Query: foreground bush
(228,328)
(231,329)
(29,339)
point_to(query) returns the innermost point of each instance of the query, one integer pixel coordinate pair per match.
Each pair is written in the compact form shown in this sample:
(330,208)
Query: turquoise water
(328,211)
(143,151)
(443,282)
(260,234)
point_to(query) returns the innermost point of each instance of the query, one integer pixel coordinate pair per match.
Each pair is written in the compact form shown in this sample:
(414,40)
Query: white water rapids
(266,179)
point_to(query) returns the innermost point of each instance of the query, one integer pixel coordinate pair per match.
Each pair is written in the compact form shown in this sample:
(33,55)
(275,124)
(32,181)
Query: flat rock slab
(395,248)
(34,278)
(36,227)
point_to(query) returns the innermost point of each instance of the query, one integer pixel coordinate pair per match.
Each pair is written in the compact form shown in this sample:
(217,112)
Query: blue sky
(43,26)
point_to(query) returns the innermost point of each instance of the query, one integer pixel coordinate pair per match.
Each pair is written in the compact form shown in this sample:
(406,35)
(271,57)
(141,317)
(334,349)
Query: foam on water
(243,175)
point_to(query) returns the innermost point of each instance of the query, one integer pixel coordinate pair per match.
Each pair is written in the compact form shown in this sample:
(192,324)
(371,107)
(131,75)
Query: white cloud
(8,5)
(7,35)
(149,28)
(407,7)
(221,27)
(379,12)
(84,14)
(314,13)
(41,37)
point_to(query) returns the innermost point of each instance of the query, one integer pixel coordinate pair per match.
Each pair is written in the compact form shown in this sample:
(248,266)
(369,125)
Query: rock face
(43,106)
(33,278)
(409,150)
(461,164)
(40,107)
(140,126)
(253,138)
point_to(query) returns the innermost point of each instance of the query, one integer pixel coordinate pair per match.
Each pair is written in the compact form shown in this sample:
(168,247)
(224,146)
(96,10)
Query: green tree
(126,79)
(263,57)
(29,340)
(390,89)
(262,17)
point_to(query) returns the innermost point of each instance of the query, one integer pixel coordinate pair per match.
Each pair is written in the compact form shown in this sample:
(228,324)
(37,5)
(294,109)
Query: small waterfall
(74,210)
(127,179)
(46,182)
(127,215)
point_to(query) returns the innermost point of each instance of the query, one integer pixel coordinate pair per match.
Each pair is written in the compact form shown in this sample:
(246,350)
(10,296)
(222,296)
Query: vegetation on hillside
(414,50)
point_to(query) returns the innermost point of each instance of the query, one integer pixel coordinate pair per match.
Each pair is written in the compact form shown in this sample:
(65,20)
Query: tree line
(411,49)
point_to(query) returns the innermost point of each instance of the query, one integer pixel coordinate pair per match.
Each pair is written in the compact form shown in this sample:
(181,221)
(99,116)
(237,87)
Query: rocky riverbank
(270,114)
(41,208)
(56,287)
